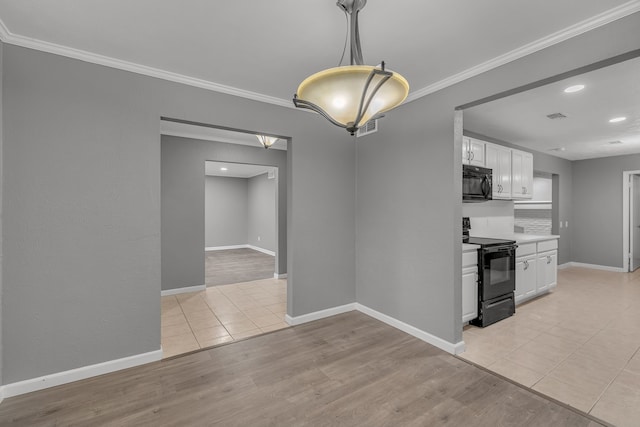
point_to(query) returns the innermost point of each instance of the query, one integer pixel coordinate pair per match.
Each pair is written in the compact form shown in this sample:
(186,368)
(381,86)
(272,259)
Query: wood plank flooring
(237,266)
(347,370)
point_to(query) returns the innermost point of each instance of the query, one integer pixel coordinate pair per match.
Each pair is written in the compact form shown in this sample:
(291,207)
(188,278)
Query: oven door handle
(486,186)
(509,249)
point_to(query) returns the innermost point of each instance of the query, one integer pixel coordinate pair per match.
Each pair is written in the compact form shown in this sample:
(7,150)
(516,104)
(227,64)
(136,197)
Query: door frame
(626,204)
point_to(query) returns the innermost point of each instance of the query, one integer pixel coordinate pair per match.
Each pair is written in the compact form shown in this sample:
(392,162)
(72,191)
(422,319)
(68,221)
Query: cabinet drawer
(526,249)
(548,245)
(470,259)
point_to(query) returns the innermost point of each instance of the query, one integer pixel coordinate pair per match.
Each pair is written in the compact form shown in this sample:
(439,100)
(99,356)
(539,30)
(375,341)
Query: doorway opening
(630,220)
(222,193)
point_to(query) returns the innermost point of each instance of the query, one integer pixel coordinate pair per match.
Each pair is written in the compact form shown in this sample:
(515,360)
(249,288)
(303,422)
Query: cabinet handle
(548,259)
(468,155)
(472,155)
(526,265)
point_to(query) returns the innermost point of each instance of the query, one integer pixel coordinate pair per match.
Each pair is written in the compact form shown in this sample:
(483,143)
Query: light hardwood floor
(347,370)
(579,344)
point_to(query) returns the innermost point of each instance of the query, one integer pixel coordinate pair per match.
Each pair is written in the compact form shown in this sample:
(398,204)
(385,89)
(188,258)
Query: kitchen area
(502,266)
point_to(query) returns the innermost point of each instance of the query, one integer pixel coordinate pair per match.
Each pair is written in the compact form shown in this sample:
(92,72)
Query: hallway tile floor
(579,344)
(220,314)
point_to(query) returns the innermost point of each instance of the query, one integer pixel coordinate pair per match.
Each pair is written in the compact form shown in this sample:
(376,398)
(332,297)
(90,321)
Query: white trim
(317,315)
(263,250)
(184,290)
(452,348)
(1,393)
(626,204)
(59,378)
(224,248)
(565,265)
(592,266)
(279,276)
(245,246)
(604,18)
(542,43)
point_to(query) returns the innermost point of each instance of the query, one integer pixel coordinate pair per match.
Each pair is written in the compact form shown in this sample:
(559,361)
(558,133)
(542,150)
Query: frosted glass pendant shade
(266,141)
(339,93)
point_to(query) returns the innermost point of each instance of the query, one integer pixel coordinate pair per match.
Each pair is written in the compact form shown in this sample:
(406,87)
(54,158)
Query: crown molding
(8,37)
(550,40)
(596,21)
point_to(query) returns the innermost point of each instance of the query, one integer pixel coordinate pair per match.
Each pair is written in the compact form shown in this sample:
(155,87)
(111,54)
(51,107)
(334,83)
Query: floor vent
(370,127)
(556,116)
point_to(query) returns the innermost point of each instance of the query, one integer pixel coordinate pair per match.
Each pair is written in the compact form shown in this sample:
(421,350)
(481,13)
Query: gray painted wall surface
(82,260)
(597,215)
(409,187)
(1,186)
(563,196)
(261,216)
(225,211)
(183,204)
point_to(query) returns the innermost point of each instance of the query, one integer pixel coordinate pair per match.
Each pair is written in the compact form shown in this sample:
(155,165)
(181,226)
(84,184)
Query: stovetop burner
(486,242)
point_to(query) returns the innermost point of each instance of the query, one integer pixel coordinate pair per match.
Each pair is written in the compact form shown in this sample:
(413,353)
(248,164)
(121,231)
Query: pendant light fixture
(266,141)
(350,96)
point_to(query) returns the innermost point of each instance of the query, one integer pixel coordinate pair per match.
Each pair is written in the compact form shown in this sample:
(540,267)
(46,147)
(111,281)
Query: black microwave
(476,184)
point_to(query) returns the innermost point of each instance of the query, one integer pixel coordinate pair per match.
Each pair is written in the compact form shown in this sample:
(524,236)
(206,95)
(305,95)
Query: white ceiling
(263,49)
(585,133)
(235,170)
(215,134)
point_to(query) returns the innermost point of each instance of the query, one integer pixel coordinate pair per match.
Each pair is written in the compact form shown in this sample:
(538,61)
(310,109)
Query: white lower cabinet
(547,271)
(469,293)
(526,278)
(536,269)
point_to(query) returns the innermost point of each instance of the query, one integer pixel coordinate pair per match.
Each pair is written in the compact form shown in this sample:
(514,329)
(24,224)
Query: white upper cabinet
(521,174)
(498,158)
(472,152)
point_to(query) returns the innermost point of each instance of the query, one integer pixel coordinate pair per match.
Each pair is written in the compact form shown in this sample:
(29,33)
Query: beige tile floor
(578,344)
(221,314)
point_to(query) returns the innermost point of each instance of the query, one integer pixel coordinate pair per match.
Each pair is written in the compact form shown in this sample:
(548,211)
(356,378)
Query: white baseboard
(263,250)
(35,384)
(317,315)
(452,348)
(279,276)
(563,266)
(245,246)
(1,393)
(593,266)
(176,291)
(224,248)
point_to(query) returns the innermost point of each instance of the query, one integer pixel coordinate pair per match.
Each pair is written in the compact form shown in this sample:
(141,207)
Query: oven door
(497,271)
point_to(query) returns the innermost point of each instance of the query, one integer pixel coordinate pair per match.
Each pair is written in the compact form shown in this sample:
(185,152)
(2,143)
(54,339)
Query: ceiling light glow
(223,169)
(574,88)
(617,119)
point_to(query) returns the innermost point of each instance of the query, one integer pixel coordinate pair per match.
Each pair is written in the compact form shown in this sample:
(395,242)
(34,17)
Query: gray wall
(563,193)
(225,211)
(597,214)
(1,197)
(183,206)
(409,187)
(261,218)
(82,173)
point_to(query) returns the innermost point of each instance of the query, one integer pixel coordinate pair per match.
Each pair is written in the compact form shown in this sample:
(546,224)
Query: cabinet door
(469,294)
(466,154)
(492,162)
(505,172)
(527,175)
(476,150)
(517,187)
(526,276)
(547,271)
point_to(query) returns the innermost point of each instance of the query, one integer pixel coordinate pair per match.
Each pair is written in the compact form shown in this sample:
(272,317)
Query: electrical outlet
(560,224)
(566,224)
(258,238)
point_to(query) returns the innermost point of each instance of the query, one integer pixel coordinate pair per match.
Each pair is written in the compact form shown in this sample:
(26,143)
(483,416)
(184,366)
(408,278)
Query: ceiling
(236,170)
(263,49)
(586,132)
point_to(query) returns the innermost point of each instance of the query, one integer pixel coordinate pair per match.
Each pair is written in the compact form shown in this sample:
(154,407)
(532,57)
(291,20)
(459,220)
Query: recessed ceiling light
(574,88)
(614,142)
(223,169)
(617,119)
(557,149)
